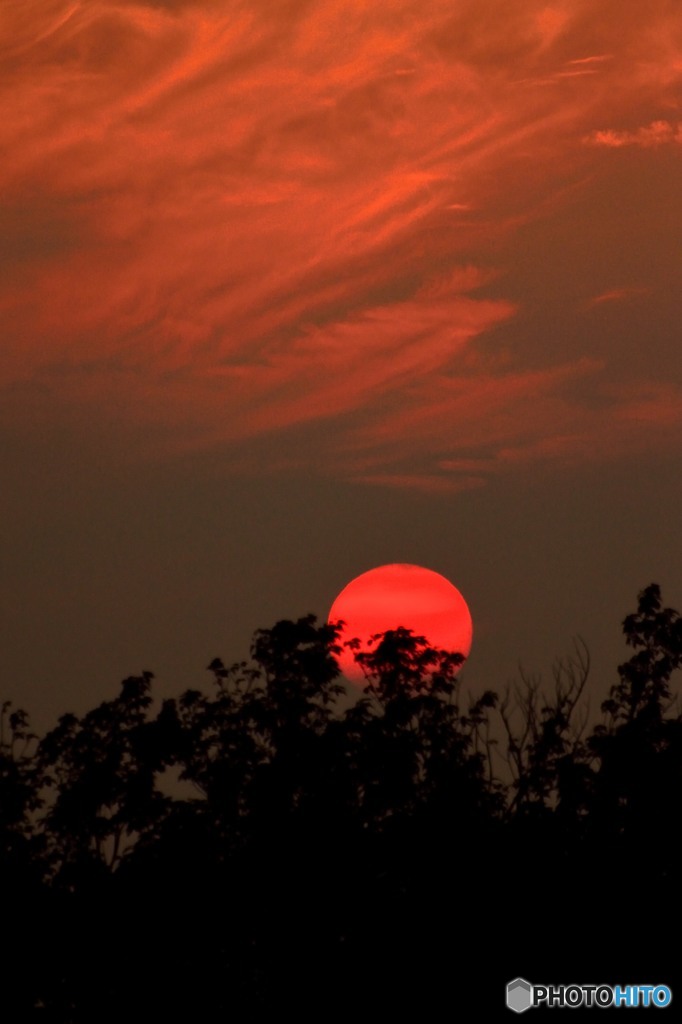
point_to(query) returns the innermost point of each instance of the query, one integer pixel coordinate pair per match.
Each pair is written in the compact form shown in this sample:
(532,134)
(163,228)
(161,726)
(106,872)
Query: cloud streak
(658,133)
(622,294)
(232,221)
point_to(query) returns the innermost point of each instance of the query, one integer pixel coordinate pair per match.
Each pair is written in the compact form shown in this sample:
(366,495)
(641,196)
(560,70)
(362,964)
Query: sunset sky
(291,290)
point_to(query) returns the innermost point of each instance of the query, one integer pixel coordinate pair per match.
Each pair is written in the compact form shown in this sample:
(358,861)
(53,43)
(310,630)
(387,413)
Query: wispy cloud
(594,59)
(228,221)
(622,294)
(658,133)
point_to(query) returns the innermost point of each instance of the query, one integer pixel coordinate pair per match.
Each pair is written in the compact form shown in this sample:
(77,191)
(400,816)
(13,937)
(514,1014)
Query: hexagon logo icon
(519,995)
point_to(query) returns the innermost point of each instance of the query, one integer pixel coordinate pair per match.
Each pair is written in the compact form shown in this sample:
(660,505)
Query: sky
(292,290)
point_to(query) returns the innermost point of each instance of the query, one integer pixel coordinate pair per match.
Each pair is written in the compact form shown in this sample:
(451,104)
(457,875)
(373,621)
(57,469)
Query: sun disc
(401,595)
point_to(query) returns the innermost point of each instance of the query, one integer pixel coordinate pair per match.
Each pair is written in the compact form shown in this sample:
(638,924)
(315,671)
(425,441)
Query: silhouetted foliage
(639,747)
(101,770)
(274,841)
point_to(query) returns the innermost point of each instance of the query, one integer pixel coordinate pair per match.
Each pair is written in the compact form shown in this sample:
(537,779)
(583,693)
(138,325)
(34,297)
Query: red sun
(401,595)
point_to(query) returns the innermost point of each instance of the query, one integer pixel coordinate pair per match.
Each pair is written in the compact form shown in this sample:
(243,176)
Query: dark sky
(290,291)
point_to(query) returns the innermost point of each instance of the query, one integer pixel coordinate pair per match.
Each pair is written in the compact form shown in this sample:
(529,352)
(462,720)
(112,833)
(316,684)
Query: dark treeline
(267,844)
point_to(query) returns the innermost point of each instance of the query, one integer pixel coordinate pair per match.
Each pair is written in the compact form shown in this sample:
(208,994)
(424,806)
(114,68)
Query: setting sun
(401,595)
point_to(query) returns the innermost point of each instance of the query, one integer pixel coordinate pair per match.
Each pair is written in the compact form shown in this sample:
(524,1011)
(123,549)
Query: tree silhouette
(639,747)
(275,841)
(101,771)
(545,748)
(18,787)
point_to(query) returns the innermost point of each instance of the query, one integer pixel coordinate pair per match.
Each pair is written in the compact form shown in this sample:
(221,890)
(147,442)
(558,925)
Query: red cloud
(658,133)
(231,221)
(617,295)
